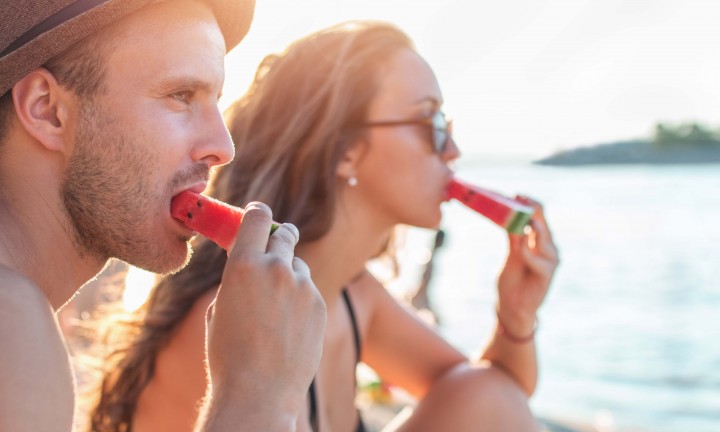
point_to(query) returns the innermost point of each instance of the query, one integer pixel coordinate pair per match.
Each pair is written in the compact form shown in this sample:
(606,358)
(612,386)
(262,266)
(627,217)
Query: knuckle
(310,292)
(275,264)
(284,236)
(291,231)
(240,264)
(316,305)
(301,265)
(319,303)
(278,269)
(305,284)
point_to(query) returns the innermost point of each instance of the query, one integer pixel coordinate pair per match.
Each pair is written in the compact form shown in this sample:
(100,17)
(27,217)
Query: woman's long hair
(291,129)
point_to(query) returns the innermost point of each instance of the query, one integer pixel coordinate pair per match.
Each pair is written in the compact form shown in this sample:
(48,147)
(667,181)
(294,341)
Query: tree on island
(684,133)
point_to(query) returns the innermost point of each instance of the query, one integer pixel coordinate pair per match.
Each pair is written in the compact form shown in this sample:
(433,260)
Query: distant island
(687,143)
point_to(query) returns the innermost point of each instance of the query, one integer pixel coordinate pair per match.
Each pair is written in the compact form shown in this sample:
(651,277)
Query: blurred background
(524,78)
(628,335)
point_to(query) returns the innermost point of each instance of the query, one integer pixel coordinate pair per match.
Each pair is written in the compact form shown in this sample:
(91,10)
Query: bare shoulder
(37,391)
(24,310)
(365,288)
(370,289)
(185,351)
(190,332)
(369,296)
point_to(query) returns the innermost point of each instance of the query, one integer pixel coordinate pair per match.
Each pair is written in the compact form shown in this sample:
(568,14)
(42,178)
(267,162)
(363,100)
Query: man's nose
(216,147)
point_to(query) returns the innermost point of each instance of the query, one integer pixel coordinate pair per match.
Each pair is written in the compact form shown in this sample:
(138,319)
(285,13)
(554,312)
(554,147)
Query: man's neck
(38,246)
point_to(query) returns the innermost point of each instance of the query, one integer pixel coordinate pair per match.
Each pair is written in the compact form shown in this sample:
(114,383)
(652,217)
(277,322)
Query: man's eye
(182,96)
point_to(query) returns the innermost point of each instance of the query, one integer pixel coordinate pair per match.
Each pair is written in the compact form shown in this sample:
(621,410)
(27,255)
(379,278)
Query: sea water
(629,333)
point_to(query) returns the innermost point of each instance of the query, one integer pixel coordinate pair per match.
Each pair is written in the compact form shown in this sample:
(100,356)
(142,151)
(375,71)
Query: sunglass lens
(440,138)
(440,132)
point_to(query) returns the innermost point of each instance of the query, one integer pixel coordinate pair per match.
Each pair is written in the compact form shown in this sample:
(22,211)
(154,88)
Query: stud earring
(352,181)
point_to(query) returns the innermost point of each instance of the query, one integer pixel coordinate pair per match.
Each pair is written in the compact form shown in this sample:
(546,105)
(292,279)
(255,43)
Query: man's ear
(42,108)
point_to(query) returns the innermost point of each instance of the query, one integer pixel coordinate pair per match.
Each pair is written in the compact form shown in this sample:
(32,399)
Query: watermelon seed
(189,215)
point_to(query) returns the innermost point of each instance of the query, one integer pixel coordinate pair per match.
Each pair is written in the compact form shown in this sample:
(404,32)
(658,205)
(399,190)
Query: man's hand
(265,330)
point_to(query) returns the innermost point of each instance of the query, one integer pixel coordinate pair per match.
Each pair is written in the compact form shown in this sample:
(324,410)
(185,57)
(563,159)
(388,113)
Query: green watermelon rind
(517,222)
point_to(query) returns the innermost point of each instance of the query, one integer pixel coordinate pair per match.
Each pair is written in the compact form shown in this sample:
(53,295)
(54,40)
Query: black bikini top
(311,391)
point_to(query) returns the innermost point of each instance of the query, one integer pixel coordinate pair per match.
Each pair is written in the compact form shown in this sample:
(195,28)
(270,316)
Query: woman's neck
(341,254)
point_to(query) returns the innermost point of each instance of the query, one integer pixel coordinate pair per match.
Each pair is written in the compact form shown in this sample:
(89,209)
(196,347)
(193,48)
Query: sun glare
(138,283)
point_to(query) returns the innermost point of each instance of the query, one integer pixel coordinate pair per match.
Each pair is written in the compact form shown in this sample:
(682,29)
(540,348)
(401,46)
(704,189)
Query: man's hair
(6,107)
(81,68)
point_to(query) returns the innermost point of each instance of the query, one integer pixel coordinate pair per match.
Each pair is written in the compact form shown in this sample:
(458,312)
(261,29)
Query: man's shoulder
(24,310)
(37,388)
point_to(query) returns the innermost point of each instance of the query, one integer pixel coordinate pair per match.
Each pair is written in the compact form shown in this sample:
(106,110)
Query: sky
(526,78)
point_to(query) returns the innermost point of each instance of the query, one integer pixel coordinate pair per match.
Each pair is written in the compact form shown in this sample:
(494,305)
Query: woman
(343,135)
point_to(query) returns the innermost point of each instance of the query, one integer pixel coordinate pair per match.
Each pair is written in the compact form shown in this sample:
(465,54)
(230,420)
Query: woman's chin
(432,221)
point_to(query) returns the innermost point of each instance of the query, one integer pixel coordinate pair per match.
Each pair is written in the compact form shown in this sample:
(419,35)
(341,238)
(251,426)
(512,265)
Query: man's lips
(197,187)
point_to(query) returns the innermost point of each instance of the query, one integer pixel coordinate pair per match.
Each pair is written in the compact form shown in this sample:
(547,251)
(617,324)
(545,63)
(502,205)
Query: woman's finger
(542,242)
(538,264)
(539,214)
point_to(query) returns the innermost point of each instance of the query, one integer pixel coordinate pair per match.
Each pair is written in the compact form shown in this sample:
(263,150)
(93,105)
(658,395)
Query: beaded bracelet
(502,330)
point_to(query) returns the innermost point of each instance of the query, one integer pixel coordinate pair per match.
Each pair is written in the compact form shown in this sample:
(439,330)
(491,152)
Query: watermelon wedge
(214,219)
(506,212)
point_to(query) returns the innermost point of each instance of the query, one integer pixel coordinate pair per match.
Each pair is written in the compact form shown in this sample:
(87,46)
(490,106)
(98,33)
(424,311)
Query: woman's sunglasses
(438,124)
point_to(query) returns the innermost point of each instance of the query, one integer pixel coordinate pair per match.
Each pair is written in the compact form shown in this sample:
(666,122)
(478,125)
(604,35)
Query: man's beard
(108,194)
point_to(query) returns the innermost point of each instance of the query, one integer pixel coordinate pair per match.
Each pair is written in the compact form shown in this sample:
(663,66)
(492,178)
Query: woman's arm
(522,287)
(408,353)
(397,344)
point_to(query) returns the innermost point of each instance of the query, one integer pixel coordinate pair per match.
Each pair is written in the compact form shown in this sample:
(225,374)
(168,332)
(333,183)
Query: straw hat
(34,31)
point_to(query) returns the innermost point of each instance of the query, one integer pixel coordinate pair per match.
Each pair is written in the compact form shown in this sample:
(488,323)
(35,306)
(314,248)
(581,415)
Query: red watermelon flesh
(214,219)
(510,214)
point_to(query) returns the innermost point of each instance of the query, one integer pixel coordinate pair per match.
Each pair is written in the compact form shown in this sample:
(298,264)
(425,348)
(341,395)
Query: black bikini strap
(312,400)
(353,321)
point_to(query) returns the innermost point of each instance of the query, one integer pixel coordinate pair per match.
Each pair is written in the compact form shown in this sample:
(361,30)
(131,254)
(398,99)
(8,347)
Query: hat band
(66,14)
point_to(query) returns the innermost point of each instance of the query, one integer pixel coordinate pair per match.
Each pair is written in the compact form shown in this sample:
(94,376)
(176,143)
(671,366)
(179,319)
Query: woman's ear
(348,166)
(42,107)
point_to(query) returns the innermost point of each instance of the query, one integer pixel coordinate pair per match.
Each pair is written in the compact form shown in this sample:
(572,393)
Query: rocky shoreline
(635,152)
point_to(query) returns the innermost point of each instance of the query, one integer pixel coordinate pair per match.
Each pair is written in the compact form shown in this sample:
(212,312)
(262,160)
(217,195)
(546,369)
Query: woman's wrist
(518,331)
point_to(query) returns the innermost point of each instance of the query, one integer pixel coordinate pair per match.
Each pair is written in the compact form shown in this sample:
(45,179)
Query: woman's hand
(529,269)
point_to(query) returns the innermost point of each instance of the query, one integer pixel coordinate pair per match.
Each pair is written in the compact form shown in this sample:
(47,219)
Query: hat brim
(233,16)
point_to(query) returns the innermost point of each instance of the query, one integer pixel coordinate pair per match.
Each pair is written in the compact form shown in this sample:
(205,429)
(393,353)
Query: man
(109,109)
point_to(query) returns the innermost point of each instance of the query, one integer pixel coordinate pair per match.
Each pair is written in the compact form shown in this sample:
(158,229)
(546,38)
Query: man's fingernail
(294,230)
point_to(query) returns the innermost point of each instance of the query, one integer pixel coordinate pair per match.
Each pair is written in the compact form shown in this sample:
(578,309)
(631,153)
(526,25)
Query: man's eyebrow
(180,83)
